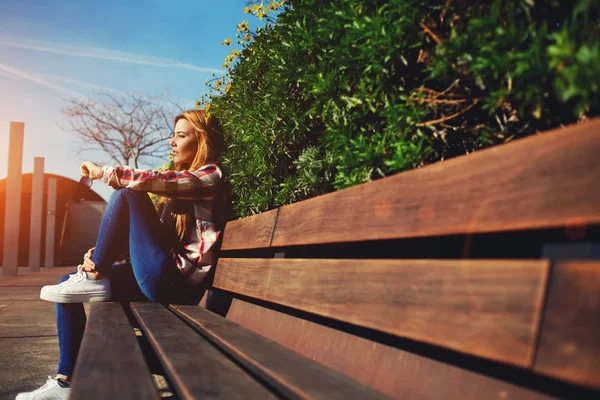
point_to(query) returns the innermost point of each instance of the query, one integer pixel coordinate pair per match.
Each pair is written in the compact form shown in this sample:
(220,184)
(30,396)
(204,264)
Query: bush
(339,93)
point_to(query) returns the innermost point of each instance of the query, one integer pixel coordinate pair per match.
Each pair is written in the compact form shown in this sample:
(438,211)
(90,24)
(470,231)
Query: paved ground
(28,342)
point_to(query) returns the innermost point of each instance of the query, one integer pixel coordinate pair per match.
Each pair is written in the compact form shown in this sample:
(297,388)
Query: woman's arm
(202,183)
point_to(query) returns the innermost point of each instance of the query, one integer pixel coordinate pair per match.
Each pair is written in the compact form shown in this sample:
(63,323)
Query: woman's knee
(127,194)
(118,193)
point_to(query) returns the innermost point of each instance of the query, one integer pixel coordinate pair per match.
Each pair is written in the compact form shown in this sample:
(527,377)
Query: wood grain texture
(195,368)
(250,233)
(292,375)
(548,180)
(397,373)
(570,335)
(487,308)
(110,359)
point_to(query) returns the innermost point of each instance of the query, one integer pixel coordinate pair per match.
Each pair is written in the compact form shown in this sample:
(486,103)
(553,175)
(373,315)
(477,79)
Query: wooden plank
(570,336)
(110,359)
(195,368)
(395,372)
(548,180)
(290,374)
(251,232)
(488,308)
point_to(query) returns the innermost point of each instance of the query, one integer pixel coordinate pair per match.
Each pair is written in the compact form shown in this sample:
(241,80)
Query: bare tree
(130,129)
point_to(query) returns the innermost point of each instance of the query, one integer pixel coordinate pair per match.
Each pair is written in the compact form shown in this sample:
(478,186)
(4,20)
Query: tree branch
(128,128)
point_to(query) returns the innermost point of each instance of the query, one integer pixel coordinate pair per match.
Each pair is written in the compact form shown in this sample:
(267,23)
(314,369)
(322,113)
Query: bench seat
(474,278)
(203,355)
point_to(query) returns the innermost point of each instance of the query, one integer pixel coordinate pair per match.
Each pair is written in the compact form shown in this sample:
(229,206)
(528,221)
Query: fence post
(35,230)
(12,213)
(50,223)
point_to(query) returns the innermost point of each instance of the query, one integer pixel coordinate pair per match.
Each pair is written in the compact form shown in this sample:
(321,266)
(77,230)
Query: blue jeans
(151,276)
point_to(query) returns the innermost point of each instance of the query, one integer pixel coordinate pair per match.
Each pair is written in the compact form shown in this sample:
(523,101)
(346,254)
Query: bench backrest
(475,277)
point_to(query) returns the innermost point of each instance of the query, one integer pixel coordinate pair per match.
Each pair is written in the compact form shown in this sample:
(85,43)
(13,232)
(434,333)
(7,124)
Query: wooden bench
(474,278)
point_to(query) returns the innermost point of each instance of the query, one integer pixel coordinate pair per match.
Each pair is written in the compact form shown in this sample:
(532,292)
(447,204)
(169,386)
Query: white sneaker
(49,391)
(77,289)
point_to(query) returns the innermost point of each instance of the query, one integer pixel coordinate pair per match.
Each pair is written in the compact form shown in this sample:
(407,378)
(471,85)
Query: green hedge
(334,94)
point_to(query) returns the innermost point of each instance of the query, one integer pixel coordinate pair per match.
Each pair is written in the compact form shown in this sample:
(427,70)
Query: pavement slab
(26,278)
(28,318)
(26,362)
(8,293)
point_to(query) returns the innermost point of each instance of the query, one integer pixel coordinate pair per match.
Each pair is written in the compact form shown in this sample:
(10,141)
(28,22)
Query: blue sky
(52,50)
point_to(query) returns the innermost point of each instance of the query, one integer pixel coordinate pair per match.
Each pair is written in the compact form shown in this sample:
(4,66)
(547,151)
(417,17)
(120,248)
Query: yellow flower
(279,3)
(243,27)
(272,6)
(257,7)
(228,87)
(226,42)
(207,107)
(197,103)
(226,64)
(247,10)
(247,38)
(262,14)
(236,53)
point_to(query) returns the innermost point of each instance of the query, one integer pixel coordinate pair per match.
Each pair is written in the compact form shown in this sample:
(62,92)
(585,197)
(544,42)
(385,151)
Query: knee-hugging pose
(170,256)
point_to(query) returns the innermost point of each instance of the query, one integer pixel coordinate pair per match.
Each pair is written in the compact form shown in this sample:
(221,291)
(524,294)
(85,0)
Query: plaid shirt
(204,186)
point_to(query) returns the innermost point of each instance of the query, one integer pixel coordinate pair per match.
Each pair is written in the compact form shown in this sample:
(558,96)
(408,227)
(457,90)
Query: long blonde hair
(209,135)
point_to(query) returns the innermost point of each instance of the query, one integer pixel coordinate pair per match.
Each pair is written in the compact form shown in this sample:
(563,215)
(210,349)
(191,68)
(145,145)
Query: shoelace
(80,274)
(48,382)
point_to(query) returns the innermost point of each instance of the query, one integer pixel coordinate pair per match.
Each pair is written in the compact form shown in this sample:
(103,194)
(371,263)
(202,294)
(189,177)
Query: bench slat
(250,233)
(395,372)
(545,181)
(195,368)
(102,371)
(488,308)
(570,336)
(294,376)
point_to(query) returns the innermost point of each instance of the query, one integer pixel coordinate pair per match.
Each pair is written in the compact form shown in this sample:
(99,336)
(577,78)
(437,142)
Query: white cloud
(87,85)
(8,75)
(46,80)
(99,53)
(39,80)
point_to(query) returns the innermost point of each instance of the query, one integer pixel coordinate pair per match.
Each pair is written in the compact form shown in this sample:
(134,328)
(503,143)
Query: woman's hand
(88,264)
(89,253)
(90,170)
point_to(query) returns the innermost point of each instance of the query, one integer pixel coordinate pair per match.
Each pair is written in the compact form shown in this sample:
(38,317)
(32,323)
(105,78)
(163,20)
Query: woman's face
(184,143)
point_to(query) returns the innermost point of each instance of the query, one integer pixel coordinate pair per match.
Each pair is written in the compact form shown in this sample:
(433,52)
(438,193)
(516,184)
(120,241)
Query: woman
(167,265)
